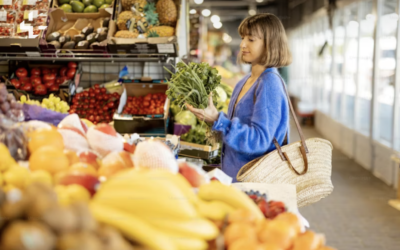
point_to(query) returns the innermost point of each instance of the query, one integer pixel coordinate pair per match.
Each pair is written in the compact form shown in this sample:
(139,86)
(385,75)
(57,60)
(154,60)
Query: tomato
(71,73)
(54,71)
(40,89)
(63,71)
(146,104)
(86,94)
(54,88)
(105,108)
(72,65)
(49,84)
(85,106)
(110,105)
(103,90)
(97,91)
(45,71)
(27,87)
(92,95)
(95,112)
(21,72)
(35,80)
(93,101)
(59,81)
(35,72)
(16,83)
(97,86)
(49,77)
(90,111)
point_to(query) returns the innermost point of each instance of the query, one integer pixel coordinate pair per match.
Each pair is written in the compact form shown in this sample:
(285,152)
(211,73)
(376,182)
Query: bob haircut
(269,28)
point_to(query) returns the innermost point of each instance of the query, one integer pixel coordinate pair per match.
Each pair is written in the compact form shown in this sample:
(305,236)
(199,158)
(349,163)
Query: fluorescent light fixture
(252,12)
(215,19)
(198,1)
(192,11)
(206,12)
(259,1)
(217,25)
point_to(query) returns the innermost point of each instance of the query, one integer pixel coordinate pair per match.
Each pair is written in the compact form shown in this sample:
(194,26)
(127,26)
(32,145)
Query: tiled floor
(356,215)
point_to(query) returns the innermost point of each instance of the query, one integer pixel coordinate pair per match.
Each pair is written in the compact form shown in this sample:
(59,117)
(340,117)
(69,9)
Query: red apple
(129,148)
(89,158)
(89,182)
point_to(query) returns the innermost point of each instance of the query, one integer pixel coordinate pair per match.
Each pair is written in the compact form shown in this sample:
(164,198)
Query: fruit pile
(33,219)
(95,104)
(85,6)
(151,104)
(94,33)
(148,19)
(52,103)
(270,209)
(43,80)
(9,106)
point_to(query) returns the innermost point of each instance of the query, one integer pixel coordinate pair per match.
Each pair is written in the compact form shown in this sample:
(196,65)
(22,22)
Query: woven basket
(311,186)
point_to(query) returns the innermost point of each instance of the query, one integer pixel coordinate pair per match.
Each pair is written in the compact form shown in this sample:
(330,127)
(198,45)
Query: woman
(258,111)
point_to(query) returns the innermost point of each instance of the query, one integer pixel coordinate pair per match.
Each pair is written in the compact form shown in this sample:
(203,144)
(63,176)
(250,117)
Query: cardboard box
(144,125)
(199,151)
(152,45)
(57,22)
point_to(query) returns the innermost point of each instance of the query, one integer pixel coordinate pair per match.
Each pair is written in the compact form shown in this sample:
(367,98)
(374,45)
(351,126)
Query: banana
(214,210)
(144,203)
(133,227)
(195,228)
(216,191)
(186,243)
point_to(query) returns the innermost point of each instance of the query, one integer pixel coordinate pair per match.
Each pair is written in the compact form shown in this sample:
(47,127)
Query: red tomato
(27,87)
(92,101)
(105,108)
(103,90)
(72,65)
(35,72)
(92,95)
(49,84)
(45,71)
(97,86)
(49,77)
(59,81)
(36,80)
(97,90)
(21,72)
(54,88)
(40,89)
(63,71)
(146,104)
(86,94)
(71,73)
(54,71)
(16,83)
(111,104)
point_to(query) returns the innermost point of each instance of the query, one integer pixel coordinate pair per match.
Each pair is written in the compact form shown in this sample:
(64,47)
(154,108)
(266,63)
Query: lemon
(17,176)
(41,176)
(5,158)
(77,193)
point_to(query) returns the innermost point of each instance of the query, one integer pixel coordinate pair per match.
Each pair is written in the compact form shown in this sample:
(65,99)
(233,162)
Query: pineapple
(123,17)
(151,15)
(161,31)
(139,4)
(126,34)
(167,12)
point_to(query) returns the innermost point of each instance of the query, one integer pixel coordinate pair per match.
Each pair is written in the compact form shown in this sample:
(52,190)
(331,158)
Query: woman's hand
(210,114)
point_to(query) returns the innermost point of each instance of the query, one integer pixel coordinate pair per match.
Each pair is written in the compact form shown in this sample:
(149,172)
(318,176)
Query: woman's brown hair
(269,28)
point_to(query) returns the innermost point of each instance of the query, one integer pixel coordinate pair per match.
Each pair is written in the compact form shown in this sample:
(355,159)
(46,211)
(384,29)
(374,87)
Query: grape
(52,103)
(5,107)
(10,97)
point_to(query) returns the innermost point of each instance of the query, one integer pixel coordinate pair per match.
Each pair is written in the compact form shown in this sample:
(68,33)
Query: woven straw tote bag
(306,164)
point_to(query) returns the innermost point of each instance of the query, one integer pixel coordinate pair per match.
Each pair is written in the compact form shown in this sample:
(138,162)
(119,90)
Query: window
(327,70)
(366,49)
(386,64)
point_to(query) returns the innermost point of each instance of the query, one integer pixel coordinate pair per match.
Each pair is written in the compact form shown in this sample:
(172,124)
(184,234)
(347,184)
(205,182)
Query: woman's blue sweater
(248,133)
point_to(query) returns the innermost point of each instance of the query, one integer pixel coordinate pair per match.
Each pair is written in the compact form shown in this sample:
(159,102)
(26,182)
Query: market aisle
(356,215)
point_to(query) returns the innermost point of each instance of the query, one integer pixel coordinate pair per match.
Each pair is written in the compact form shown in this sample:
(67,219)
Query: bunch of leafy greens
(192,83)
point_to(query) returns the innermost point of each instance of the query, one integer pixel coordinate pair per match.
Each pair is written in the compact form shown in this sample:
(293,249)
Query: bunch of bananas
(52,103)
(159,209)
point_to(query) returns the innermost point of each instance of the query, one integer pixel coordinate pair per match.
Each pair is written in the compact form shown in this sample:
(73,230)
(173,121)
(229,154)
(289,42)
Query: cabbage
(222,96)
(186,118)
(175,109)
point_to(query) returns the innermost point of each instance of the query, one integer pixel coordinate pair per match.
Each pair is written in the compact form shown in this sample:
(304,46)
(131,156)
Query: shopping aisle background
(356,215)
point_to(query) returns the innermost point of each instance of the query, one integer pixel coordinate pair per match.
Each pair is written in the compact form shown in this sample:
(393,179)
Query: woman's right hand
(210,114)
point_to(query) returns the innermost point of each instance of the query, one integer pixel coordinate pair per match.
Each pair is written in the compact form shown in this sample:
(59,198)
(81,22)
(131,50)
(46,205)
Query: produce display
(84,6)
(9,107)
(145,18)
(43,80)
(52,103)
(95,104)
(151,104)
(83,34)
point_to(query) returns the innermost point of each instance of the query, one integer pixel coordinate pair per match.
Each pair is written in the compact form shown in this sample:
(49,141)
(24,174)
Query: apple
(103,138)
(129,148)
(191,174)
(106,129)
(74,138)
(87,181)
(89,158)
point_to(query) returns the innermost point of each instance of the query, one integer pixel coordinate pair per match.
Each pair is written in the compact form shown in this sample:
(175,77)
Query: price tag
(5,2)
(32,54)
(29,2)
(3,16)
(166,48)
(31,14)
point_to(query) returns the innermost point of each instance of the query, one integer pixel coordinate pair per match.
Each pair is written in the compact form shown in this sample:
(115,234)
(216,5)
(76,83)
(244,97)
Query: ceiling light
(206,12)
(215,19)
(227,38)
(252,12)
(217,25)
(192,11)
(259,1)
(198,1)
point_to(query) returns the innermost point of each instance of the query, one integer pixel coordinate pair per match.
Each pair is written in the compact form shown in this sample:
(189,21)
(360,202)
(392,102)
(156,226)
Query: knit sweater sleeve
(269,109)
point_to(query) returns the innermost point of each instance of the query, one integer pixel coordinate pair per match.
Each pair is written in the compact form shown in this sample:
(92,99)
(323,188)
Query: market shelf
(84,57)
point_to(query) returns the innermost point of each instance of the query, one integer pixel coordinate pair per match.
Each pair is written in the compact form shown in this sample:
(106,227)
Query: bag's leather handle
(303,147)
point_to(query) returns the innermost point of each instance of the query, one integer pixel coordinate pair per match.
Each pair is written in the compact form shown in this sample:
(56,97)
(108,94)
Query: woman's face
(252,49)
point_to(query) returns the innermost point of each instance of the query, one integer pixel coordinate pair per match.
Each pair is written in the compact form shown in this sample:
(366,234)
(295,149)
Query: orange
(50,159)
(270,246)
(242,216)
(17,176)
(246,243)
(84,168)
(45,137)
(236,231)
(278,232)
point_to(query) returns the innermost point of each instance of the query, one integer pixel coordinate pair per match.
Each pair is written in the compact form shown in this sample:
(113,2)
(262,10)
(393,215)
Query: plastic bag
(12,135)
(33,112)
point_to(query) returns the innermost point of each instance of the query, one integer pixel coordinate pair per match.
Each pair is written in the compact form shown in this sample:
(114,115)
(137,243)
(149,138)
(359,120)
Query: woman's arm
(270,113)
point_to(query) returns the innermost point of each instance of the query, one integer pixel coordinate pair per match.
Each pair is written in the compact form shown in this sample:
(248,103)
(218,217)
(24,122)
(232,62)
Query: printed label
(3,15)
(29,2)
(5,2)
(166,48)
(31,14)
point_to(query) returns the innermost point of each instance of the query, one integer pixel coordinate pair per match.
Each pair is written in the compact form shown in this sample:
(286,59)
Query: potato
(21,235)
(112,239)
(15,206)
(79,241)
(60,219)
(86,222)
